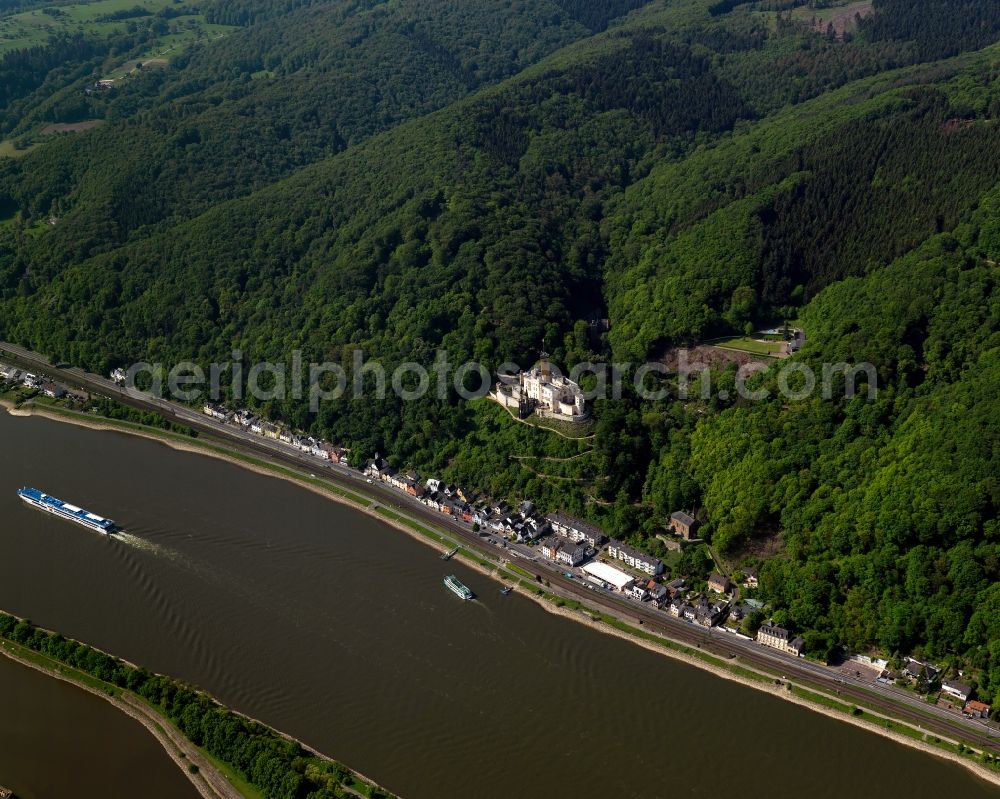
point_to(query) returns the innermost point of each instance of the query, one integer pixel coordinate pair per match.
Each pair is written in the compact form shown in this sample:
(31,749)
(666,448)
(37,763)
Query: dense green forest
(485,177)
(936,28)
(279,768)
(240,113)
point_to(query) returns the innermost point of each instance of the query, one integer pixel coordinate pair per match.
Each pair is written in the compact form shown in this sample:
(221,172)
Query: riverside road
(885,700)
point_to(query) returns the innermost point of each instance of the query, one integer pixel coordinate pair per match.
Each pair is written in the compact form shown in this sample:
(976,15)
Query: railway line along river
(335,628)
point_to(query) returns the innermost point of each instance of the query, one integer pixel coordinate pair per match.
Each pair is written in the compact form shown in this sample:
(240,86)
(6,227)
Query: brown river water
(336,628)
(59,742)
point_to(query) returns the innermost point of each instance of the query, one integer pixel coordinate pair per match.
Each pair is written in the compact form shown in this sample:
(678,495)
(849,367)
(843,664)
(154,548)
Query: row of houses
(574,537)
(250,422)
(635,558)
(565,551)
(576,530)
(568,540)
(976,710)
(564,539)
(521,525)
(921,673)
(28,380)
(700,611)
(672,597)
(925,674)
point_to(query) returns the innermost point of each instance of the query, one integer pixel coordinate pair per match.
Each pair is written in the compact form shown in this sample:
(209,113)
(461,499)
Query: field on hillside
(31,28)
(746,344)
(8,150)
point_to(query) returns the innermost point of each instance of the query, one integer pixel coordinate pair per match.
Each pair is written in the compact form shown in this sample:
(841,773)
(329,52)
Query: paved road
(884,699)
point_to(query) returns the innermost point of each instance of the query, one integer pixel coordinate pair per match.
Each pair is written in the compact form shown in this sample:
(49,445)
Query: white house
(214,411)
(572,554)
(634,558)
(639,591)
(576,529)
(959,690)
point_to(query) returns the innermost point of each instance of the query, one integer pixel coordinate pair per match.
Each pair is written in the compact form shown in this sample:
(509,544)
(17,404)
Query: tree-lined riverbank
(61,741)
(827,705)
(225,754)
(207,780)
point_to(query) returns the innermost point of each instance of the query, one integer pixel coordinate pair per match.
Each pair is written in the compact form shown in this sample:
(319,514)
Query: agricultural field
(34,27)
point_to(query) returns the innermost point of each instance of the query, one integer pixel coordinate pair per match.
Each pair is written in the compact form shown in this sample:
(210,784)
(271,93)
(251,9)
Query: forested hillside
(241,112)
(887,508)
(487,176)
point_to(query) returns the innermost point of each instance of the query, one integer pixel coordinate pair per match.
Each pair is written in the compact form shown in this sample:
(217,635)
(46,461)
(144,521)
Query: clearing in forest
(843,19)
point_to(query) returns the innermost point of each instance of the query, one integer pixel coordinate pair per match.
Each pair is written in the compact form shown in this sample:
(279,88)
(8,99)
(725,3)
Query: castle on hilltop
(540,392)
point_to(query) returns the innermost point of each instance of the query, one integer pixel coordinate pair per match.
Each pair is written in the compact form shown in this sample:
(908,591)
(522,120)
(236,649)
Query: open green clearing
(753,346)
(190,29)
(8,150)
(31,28)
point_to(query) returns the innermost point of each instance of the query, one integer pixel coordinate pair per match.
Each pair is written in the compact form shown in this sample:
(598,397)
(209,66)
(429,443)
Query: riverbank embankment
(865,717)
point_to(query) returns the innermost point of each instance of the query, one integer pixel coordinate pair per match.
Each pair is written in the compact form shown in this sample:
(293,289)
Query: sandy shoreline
(581,617)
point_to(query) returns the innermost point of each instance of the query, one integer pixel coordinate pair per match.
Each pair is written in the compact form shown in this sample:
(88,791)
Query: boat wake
(208,574)
(146,545)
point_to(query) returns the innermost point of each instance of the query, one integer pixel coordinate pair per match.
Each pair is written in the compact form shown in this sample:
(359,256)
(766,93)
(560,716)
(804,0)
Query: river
(59,742)
(335,628)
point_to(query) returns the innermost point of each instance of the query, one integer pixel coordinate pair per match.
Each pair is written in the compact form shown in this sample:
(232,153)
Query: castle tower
(543,365)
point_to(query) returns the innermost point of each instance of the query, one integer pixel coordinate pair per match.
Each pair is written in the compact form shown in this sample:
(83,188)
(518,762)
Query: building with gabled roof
(635,558)
(959,690)
(779,638)
(572,554)
(576,529)
(683,524)
(540,391)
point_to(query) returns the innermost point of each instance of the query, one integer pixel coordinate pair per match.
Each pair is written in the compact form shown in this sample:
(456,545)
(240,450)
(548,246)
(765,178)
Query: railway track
(654,621)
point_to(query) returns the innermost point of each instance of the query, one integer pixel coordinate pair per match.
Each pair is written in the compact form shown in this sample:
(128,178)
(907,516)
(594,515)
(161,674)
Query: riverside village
(577,548)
